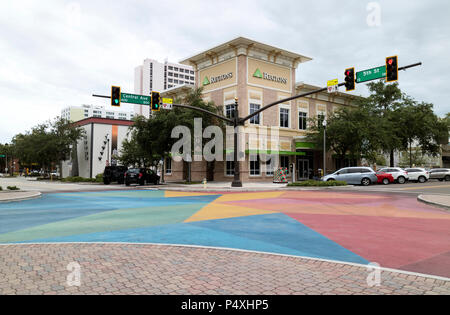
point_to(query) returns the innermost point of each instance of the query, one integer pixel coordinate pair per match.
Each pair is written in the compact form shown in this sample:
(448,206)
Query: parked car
(54,173)
(354,175)
(140,176)
(385,178)
(440,174)
(114,174)
(400,176)
(420,175)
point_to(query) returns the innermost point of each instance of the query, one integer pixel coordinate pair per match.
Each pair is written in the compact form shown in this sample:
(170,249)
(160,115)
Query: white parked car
(400,176)
(418,174)
(440,173)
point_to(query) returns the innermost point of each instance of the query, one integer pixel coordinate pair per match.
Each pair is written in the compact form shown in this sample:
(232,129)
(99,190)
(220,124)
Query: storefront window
(230,168)
(168,166)
(255,165)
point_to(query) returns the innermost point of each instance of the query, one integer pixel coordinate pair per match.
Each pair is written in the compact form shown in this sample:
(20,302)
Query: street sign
(135,99)
(333,82)
(333,88)
(2,155)
(167,103)
(371,74)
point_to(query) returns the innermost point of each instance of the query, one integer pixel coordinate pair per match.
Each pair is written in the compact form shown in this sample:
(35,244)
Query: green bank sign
(216,79)
(265,76)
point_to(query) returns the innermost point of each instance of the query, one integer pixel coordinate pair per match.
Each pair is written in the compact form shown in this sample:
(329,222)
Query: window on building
(170,80)
(181,82)
(176,69)
(168,166)
(255,165)
(170,68)
(229,110)
(284,117)
(170,86)
(302,118)
(175,81)
(192,78)
(182,70)
(192,72)
(230,168)
(284,162)
(181,76)
(175,75)
(255,119)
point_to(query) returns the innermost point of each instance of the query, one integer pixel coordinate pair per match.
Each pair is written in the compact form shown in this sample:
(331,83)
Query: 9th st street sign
(371,74)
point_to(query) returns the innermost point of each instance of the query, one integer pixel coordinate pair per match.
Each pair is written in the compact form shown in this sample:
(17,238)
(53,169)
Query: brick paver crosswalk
(155,269)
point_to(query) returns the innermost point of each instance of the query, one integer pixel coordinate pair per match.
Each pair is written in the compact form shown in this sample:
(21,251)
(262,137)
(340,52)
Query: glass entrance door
(302,169)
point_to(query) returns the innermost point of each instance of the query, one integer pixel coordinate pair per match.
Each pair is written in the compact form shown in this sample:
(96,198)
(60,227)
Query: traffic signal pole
(236,122)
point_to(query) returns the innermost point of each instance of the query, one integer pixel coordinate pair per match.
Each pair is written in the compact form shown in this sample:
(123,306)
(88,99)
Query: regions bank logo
(266,76)
(216,79)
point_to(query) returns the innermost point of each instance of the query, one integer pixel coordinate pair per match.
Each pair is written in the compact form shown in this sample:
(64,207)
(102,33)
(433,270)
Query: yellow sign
(333,82)
(167,101)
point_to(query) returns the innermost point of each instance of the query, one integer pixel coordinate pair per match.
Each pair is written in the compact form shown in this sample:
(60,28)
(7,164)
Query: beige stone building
(258,74)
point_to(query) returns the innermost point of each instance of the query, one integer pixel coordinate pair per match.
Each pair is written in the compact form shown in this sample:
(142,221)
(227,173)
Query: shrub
(99,178)
(78,179)
(13,188)
(1,188)
(316,183)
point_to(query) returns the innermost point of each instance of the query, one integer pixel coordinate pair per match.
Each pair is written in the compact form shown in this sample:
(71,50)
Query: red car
(385,178)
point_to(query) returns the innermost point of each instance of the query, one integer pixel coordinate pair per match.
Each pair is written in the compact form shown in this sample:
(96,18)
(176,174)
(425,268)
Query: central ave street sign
(135,99)
(371,74)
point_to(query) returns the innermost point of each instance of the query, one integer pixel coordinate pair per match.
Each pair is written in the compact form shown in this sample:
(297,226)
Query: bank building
(258,74)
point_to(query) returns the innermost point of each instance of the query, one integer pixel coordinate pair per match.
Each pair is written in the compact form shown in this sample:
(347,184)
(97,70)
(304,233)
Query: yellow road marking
(424,187)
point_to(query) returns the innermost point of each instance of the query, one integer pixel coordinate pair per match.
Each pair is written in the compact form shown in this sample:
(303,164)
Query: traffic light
(115,96)
(391,69)
(156,101)
(350,79)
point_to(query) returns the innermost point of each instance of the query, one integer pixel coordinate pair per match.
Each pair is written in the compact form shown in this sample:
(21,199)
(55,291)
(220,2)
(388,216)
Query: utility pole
(237,176)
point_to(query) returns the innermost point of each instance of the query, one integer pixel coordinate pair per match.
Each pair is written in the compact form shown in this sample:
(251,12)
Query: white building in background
(77,113)
(156,76)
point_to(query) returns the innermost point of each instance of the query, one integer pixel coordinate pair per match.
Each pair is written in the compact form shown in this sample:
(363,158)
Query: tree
(349,133)
(47,144)
(420,128)
(151,138)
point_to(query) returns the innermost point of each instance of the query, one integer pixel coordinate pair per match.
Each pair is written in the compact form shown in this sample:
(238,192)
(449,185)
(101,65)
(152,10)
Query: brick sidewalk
(152,269)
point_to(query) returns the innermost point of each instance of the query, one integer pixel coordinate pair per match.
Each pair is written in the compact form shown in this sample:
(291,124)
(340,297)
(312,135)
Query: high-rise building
(77,113)
(156,76)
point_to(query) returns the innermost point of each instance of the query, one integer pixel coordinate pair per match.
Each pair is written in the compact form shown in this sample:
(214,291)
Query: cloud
(58,53)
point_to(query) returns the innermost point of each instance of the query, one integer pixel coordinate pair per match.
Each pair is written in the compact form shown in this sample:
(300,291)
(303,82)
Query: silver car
(354,175)
(440,173)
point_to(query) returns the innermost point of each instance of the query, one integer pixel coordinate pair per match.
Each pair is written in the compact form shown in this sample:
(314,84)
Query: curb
(13,199)
(421,198)
(255,189)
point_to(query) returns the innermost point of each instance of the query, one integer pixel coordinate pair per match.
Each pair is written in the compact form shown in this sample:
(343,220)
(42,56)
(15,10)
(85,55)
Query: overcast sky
(57,53)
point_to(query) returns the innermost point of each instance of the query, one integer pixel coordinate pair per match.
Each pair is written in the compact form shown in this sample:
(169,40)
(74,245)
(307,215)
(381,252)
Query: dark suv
(114,174)
(141,176)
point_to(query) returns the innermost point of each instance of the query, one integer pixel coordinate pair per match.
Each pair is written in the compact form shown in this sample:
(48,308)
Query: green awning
(305,145)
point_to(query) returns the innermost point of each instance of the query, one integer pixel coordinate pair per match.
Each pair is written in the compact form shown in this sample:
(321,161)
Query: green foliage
(78,179)
(1,188)
(47,143)
(316,183)
(151,138)
(99,178)
(385,121)
(13,188)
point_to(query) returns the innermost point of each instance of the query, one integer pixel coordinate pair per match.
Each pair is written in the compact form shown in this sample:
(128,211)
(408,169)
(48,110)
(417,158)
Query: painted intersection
(396,232)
